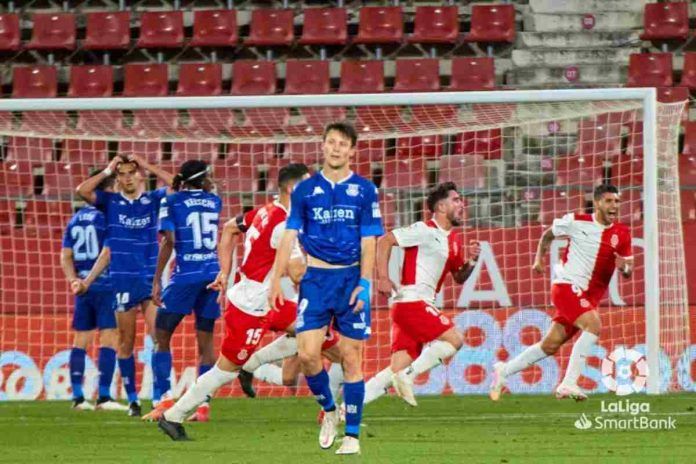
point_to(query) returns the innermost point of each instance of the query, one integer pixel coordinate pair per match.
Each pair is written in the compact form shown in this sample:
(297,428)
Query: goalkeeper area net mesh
(517,165)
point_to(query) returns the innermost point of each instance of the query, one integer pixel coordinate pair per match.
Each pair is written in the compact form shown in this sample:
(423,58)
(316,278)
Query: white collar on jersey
(350,174)
(594,219)
(134,199)
(446,232)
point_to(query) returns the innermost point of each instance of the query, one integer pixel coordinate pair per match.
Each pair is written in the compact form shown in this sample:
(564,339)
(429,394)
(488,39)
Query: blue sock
(127,368)
(319,385)
(203,368)
(354,395)
(107,365)
(77,371)
(161,370)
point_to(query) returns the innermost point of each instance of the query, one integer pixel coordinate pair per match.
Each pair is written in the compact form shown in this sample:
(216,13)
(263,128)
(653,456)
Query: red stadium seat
(436,25)
(29,149)
(307,77)
(377,118)
(53,31)
(34,82)
(100,122)
(270,27)
(87,152)
(16,179)
(151,151)
(200,79)
(688,205)
(156,122)
(688,76)
(253,77)
(145,80)
(236,176)
(689,138)
(429,146)
(666,21)
(559,202)
(262,122)
(627,171)
(316,117)
(215,28)
(404,173)
(372,150)
(380,25)
(107,30)
(419,75)
(433,116)
(687,171)
(472,73)
(8,215)
(601,136)
(492,23)
(650,70)
(10,34)
(183,151)
(209,122)
(467,171)
(303,152)
(61,179)
(634,148)
(487,143)
(579,171)
(324,26)
(631,209)
(91,81)
(672,94)
(161,29)
(46,216)
(250,153)
(362,76)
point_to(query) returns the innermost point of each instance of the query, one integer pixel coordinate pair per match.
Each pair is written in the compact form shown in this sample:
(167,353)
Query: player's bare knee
(310,362)
(454,338)
(550,347)
(289,380)
(108,338)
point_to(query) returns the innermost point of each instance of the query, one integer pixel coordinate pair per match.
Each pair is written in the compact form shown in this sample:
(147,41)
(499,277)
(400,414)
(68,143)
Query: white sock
(335,379)
(270,373)
(432,355)
(205,386)
(378,385)
(578,358)
(529,356)
(280,348)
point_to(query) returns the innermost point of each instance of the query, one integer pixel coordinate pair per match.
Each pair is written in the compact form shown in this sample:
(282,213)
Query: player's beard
(454,220)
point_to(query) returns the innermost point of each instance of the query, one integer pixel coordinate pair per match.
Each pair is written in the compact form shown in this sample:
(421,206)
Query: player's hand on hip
(474,250)
(385,287)
(361,296)
(157,293)
(275,295)
(538,266)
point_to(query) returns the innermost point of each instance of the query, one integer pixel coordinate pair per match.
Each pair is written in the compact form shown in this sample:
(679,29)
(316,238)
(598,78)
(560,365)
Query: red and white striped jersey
(589,261)
(430,252)
(262,238)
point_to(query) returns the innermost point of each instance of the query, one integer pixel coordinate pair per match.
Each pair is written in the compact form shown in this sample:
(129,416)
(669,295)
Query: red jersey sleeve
(624,248)
(456,256)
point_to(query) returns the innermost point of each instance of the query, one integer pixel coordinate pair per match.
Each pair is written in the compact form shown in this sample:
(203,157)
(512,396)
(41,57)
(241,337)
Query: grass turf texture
(471,429)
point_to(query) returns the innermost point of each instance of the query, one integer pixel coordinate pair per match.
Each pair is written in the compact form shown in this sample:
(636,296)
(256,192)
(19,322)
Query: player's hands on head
(474,250)
(112,164)
(385,287)
(275,295)
(157,293)
(137,159)
(361,296)
(538,266)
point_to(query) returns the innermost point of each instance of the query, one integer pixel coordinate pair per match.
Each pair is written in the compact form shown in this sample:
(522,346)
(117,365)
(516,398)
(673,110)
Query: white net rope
(519,166)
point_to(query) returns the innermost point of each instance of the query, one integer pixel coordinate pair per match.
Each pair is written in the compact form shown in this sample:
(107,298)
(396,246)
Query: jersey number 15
(205,229)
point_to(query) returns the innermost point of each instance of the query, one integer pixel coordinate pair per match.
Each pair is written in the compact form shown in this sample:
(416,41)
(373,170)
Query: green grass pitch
(471,429)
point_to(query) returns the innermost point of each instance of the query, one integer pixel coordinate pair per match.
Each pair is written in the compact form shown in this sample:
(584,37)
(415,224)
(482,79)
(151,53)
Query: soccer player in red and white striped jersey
(432,249)
(597,246)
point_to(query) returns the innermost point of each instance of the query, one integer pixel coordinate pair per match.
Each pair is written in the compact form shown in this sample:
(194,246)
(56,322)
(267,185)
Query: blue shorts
(130,292)
(325,293)
(182,298)
(94,310)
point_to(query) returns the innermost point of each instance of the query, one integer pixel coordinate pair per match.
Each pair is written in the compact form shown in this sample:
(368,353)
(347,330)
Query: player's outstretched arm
(542,249)
(99,265)
(280,265)
(460,275)
(86,189)
(164,176)
(165,252)
(384,248)
(68,265)
(361,294)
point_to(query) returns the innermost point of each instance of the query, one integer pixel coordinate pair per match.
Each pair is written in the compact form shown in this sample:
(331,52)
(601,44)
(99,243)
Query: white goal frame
(650,177)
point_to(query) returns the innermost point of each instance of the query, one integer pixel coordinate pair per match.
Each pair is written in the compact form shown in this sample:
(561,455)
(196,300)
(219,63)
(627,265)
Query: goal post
(521,158)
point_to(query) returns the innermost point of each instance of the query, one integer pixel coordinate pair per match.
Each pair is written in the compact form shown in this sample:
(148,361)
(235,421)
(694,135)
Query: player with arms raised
(597,246)
(336,215)
(189,223)
(131,250)
(432,249)
(247,312)
(82,242)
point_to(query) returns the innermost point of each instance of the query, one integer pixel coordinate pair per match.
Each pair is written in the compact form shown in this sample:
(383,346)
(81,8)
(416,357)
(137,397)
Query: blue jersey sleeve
(295,220)
(158,194)
(103,198)
(371,217)
(166,222)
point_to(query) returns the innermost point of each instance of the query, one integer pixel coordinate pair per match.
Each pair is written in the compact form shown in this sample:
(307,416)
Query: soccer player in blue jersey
(131,249)
(336,215)
(82,242)
(189,223)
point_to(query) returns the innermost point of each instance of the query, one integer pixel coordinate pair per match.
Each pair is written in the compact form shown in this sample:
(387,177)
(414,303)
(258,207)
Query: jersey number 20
(86,243)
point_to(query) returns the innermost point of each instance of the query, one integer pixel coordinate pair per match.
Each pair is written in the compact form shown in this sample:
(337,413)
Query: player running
(247,313)
(432,249)
(131,250)
(189,223)
(82,242)
(336,215)
(597,246)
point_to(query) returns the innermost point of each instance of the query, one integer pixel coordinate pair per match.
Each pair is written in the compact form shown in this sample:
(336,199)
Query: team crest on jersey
(614,240)
(353,190)
(242,355)
(584,303)
(444,320)
(145,201)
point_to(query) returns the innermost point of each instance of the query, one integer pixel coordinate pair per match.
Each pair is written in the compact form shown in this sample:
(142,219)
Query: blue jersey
(193,216)
(85,235)
(131,232)
(333,218)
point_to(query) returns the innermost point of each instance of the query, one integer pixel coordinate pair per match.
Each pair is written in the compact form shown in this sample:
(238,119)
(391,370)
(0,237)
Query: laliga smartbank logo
(625,371)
